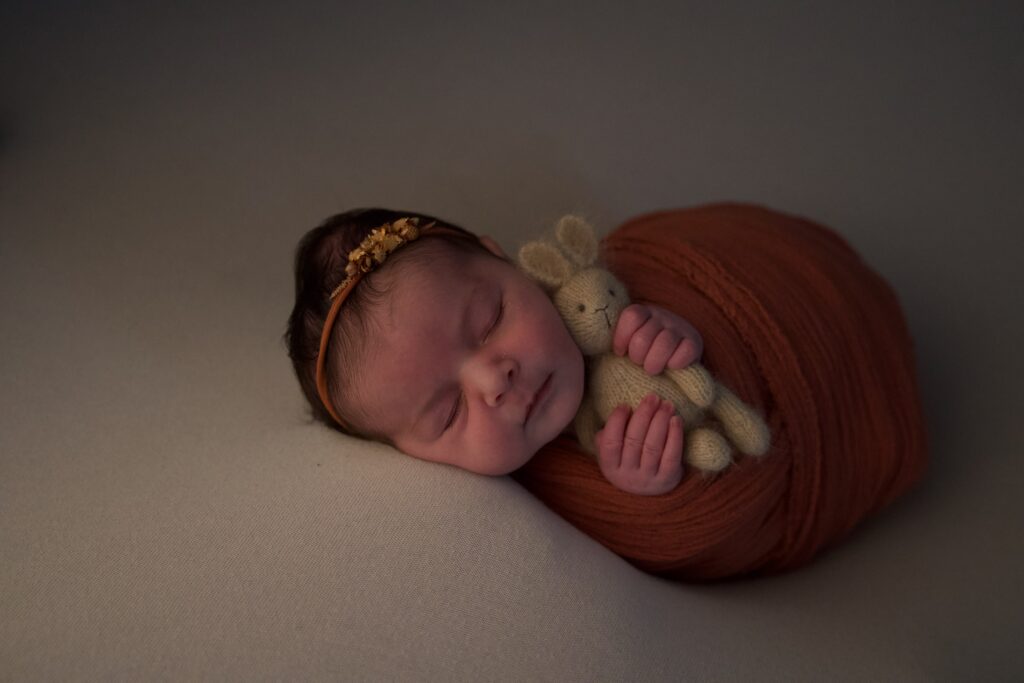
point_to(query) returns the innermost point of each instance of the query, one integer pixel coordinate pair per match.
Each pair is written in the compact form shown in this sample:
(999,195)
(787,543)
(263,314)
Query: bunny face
(590,304)
(588,297)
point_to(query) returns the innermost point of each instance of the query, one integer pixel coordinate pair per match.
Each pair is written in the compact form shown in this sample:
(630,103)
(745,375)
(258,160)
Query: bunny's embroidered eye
(581,308)
(612,292)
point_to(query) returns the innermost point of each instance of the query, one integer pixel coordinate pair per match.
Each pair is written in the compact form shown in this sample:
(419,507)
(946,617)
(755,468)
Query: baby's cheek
(500,438)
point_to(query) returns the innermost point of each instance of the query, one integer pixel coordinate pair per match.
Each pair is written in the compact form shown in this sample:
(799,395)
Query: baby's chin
(504,464)
(567,407)
(512,462)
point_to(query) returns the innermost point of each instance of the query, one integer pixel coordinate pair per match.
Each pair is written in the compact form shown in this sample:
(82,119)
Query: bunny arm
(616,380)
(696,383)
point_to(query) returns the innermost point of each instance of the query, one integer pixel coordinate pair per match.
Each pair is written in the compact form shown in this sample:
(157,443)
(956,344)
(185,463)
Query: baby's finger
(681,326)
(654,442)
(609,445)
(636,431)
(687,331)
(661,352)
(685,354)
(672,456)
(632,318)
(640,342)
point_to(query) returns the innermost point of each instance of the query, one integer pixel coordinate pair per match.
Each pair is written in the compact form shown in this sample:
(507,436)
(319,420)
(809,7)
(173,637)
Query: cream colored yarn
(590,300)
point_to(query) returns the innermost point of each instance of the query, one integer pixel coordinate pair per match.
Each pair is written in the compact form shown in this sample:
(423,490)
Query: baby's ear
(577,238)
(493,246)
(544,263)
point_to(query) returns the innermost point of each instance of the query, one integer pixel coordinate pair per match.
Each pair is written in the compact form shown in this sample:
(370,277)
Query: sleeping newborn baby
(416,333)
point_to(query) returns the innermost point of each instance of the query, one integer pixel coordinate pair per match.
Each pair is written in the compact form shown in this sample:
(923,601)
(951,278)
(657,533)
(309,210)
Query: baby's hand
(645,457)
(656,338)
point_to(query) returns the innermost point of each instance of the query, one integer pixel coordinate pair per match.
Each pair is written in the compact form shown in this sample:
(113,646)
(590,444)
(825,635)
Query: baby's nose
(507,372)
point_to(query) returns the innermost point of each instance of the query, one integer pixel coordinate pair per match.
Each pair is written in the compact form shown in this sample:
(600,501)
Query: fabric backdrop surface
(167,512)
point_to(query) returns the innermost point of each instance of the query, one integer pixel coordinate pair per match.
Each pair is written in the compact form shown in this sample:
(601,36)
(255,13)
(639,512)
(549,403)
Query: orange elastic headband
(370,253)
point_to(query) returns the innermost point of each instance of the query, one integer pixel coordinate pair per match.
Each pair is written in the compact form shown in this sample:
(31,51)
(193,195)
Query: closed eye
(455,414)
(497,319)
(458,402)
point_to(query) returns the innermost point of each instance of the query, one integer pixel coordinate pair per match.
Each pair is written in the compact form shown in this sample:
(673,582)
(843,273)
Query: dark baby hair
(320,260)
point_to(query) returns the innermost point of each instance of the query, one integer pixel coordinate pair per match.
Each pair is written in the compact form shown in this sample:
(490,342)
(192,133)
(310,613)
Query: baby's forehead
(441,277)
(454,267)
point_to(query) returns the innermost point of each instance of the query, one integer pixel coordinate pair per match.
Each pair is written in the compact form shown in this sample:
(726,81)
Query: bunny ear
(544,263)
(577,238)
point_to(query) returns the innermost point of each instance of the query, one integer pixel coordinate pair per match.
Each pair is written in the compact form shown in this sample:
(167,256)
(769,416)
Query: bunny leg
(695,381)
(741,423)
(707,450)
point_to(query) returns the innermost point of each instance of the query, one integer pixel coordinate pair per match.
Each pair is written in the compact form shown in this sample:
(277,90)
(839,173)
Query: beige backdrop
(166,512)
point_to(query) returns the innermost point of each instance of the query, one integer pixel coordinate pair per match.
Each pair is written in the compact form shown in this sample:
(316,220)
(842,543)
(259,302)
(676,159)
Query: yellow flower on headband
(374,249)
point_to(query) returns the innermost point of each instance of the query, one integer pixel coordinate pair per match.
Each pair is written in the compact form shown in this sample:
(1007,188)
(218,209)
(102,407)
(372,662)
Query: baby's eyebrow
(467,302)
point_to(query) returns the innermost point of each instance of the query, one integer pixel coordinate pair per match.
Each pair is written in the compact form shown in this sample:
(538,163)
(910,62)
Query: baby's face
(475,333)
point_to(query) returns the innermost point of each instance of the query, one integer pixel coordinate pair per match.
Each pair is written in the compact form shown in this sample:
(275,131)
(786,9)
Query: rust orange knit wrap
(799,327)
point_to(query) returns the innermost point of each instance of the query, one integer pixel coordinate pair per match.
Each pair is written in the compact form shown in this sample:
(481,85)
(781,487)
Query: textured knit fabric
(799,327)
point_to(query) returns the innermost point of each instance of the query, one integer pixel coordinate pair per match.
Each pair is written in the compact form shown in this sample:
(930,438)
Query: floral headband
(370,253)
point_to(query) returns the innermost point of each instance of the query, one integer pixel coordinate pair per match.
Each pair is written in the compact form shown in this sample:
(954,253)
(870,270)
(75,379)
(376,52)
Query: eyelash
(458,404)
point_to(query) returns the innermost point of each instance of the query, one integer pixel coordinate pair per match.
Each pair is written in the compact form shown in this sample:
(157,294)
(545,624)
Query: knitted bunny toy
(590,299)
